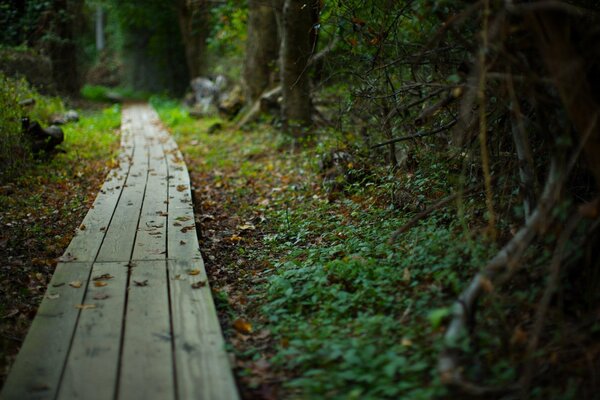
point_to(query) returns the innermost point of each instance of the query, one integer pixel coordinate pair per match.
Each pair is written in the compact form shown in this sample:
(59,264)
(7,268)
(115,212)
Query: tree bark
(297,45)
(193,24)
(262,50)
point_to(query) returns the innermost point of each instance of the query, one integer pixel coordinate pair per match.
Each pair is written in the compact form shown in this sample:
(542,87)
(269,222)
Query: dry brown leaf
(193,272)
(198,285)
(141,283)
(100,283)
(85,306)
(242,326)
(103,277)
(100,296)
(75,284)
(52,296)
(181,188)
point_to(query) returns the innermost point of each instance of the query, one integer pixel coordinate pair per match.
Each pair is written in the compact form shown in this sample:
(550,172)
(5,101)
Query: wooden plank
(203,370)
(182,240)
(151,237)
(37,370)
(90,234)
(120,235)
(91,368)
(147,370)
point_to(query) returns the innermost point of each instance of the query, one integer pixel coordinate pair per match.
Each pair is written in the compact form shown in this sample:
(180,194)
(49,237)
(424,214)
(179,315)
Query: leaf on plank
(198,285)
(85,306)
(100,283)
(141,283)
(103,277)
(75,284)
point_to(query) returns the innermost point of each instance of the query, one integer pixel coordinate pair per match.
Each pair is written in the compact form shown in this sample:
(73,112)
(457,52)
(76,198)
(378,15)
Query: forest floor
(319,294)
(39,213)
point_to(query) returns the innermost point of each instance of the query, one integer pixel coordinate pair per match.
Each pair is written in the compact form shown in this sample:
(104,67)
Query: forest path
(128,313)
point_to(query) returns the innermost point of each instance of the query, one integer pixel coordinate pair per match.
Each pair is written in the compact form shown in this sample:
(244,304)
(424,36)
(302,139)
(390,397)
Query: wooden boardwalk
(128,313)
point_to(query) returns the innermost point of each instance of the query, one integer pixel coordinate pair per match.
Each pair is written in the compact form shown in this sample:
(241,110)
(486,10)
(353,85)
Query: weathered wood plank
(91,368)
(203,370)
(147,370)
(151,237)
(120,235)
(182,240)
(37,370)
(90,234)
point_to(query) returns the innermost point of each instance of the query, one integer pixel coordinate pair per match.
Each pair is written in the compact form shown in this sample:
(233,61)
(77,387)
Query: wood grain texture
(90,234)
(121,233)
(147,358)
(151,239)
(37,371)
(203,370)
(91,368)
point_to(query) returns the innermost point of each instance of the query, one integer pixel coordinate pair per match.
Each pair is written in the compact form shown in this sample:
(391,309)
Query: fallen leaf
(235,238)
(85,306)
(103,277)
(52,296)
(198,284)
(58,284)
(182,242)
(242,326)
(82,227)
(142,283)
(246,227)
(188,228)
(100,296)
(183,218)
(75,284)
(100,283)
(181,188)
(406,342)
(193,272)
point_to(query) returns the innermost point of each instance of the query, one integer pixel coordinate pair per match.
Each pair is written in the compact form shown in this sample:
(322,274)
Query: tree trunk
(262,50)
(99,28)
(193,24)
(297,45)
(61,46)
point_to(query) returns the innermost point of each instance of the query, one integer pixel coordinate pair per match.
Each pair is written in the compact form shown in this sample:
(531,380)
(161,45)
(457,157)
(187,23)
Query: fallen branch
(507,258)
(544,304)
(416,135)
(439,204)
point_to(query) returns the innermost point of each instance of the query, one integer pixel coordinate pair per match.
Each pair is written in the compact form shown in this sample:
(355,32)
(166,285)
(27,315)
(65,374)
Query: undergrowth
(348,311)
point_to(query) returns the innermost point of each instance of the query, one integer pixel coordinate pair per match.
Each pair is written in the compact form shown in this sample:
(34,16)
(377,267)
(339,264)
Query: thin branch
(416,135)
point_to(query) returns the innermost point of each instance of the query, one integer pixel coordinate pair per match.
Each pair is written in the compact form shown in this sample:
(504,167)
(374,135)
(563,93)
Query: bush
(14,150)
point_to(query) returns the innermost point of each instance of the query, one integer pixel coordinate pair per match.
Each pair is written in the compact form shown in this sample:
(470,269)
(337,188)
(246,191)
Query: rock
(71,116)
(42,139)
(206,94)
(232,102)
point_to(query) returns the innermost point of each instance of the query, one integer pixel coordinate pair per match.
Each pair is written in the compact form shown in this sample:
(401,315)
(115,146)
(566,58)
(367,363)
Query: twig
(544,304)
(508,257)
(439,204)
(416,135)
